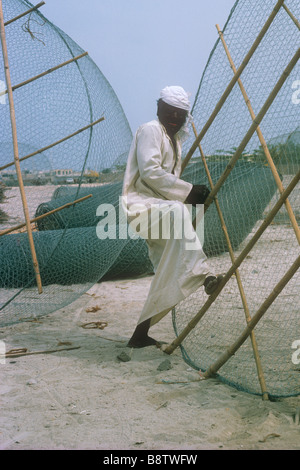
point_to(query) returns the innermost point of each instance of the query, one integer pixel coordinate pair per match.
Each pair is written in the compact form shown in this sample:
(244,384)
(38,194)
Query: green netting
(63,266)
(278,248)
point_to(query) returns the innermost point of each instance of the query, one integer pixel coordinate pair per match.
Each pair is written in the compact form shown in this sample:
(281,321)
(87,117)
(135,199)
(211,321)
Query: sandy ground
(96,393)
(104,395)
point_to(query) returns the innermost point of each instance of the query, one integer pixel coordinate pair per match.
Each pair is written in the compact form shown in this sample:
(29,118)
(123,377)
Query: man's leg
(140,338)
(178,272)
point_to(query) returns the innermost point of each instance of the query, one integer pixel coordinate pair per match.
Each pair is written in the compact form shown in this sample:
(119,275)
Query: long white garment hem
(179,271)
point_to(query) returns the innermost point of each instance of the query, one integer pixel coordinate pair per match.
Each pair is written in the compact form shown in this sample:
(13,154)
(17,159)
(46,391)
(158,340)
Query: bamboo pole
(252,128)
(53,144)
(56,67)
(232,83)
(262,140)
(23,351)
(249,328)
(291,16)
(24,14)
(16,152)
(259,368)
(65,206)
(172,346)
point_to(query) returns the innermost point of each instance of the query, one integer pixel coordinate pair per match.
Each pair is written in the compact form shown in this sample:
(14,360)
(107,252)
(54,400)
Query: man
(154,193)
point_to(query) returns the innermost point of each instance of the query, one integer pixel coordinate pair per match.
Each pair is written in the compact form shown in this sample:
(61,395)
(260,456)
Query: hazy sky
(143,45)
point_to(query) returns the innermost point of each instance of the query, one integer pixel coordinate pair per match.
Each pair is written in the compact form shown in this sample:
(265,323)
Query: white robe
(152,180)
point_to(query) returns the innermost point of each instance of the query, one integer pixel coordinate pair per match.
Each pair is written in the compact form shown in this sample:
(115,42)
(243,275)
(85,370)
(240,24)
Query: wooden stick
(261,311)
(32,79)
(25,13)
(252,129)
(262,141)
(53,144)
(17,227)
(291,16)
(232,83)
(171,347)
(23,352)
(16,152)
(238,278)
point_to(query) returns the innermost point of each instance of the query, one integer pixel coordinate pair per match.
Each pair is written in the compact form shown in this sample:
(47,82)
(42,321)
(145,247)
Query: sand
(95,393)
(106,396)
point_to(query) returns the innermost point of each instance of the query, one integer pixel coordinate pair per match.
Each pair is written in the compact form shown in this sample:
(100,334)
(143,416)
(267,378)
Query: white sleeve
(150,158)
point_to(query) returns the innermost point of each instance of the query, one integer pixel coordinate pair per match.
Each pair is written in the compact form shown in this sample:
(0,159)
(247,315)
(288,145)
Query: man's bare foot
(140,337)
(142,342)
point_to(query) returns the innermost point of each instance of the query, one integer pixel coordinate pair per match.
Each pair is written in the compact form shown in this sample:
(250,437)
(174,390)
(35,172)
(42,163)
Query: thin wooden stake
(172,346)
(238,278)
(232,83)
(65,206)
(53,144)
(16,152)
(291,16)
(262,141)
(255,319)
(56,67)
(24,14)
(23,352)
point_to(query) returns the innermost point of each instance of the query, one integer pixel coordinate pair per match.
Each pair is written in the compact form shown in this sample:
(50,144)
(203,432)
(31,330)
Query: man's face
(171,117)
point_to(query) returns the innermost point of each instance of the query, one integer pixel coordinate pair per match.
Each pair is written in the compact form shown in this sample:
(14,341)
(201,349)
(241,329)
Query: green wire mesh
(278,248)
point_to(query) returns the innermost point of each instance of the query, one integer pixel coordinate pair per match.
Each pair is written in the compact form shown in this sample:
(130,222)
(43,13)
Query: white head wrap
(178,97)
(175,96)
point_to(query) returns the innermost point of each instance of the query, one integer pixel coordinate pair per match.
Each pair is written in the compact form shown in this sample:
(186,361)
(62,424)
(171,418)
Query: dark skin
(172,119)
(140,337)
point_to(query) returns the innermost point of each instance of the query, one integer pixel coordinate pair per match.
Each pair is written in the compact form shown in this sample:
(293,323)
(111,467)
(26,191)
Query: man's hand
(198,194)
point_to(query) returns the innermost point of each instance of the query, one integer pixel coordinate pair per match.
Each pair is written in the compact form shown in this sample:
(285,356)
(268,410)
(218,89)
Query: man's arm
(152,174)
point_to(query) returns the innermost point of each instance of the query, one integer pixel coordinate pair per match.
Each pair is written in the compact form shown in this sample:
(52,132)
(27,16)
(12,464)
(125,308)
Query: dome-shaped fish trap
(246,114)
(73,139)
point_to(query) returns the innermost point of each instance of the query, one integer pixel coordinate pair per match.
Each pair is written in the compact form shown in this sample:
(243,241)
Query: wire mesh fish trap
(264,364)
(60,98)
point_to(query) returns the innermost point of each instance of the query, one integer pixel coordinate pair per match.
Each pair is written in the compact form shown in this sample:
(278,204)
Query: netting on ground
(278,331)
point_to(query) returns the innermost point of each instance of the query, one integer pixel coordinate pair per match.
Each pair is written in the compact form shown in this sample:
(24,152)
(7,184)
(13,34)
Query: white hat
(175,96)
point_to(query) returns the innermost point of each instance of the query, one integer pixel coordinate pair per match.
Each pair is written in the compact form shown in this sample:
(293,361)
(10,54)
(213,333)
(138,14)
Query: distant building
(58,176)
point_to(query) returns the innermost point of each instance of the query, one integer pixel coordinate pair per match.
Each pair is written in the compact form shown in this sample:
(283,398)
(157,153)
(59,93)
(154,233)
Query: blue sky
(143,45)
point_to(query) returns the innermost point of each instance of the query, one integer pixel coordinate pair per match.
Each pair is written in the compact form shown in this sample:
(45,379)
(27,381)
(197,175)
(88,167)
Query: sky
(141,46)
